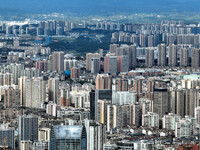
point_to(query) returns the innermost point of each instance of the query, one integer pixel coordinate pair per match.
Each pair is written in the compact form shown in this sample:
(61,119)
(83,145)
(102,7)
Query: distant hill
(88,7)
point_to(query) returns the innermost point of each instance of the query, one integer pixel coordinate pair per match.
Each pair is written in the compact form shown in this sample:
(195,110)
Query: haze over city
(100,75)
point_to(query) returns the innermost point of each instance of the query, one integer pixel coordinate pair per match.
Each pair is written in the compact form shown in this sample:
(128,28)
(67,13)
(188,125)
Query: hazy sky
(81,6)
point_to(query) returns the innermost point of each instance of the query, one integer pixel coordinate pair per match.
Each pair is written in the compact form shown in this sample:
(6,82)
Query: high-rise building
(16,70)
(136,112)
(101,53)
(75,73)
(58,61)
(95,65)
(123,98)
(149,57)
(161,102)
(197,115)
(103,82)
(178,102)
(162,61)
(95,134)
(68,137)
(184,127)
(110,64)
(191,101)
(89,56)
(113,48)
(118,116)
(53,87)
(122,63)
(9,135)
(143,40)
(10,95)
(132,56)
(122,85)
(184,57)
(35,92)
(169,121)
(195,56)
(52,109)
(41,65)
(28,128)
(172,59)
(68,64)
(150,120)
(64,95)
(96,95)
(22,86)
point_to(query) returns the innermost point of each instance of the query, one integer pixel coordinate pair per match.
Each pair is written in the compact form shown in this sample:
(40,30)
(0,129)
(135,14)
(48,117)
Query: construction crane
(4,144)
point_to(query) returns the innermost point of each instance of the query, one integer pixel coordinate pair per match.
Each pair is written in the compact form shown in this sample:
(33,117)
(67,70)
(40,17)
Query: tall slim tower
(58,61)
(53,87)
(184,57)
(195,58)
(149,58)
(28,128)
(161,102)
(95,65)
(172,61)
(162,55)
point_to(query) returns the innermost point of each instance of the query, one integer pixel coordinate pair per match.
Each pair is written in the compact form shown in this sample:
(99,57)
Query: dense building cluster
(140,95)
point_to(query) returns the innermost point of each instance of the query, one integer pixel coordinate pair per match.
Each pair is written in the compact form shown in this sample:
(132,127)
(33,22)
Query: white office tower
(169,121)
(95,134)
(185,127)
(150,120)
(35,92)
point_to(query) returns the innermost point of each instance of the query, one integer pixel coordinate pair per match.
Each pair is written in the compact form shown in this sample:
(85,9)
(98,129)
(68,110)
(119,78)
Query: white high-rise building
(150,120)
(35,92)
(185,127)
(169,121)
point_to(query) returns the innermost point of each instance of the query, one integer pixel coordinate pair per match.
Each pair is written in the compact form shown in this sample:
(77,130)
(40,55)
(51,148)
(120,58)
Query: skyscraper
(122,63)
(184,57)
(35,92)
(149,57)
(9,135)
(195,58)
(162,61)
(150,120)
(110,64)
(68,137)
(58,61)
(75,73)
(172,60)
(161,102)
(95,65)
(103,81)
(53,87)
(28,128)
(89,56)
